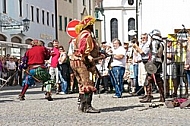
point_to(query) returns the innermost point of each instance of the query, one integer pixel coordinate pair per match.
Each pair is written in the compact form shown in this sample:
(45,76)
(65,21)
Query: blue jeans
(188,77)
(63,83)
(135,68)
(116,76)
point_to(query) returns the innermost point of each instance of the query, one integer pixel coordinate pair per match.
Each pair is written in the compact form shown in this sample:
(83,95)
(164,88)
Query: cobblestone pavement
(62,111)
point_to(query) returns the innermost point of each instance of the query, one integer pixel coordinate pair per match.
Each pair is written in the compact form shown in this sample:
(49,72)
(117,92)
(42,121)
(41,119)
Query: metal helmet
(155,32)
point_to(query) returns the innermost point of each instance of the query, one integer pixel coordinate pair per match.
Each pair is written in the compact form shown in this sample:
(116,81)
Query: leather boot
(22,94)
(142,97)
(81,102)
(161,90)
(147,99)
(48,96)
(21,97)
(89,108)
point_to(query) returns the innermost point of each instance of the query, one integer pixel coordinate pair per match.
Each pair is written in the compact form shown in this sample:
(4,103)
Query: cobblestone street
(62,111)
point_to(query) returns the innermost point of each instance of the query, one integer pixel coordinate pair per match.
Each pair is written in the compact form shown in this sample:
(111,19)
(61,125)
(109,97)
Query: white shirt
(11,65)
(119,62)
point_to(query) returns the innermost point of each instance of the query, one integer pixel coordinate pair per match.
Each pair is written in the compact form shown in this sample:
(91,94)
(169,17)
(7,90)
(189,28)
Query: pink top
(55,56)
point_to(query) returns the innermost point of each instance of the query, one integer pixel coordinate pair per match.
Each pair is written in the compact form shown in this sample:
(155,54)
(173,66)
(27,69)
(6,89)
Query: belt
(11,69)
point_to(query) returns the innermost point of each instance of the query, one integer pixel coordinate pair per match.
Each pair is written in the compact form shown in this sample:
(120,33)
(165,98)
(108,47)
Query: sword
(6,81)
(36,79)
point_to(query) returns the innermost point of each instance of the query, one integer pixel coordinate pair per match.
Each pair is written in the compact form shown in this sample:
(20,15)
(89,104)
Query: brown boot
(147,99)
(162,99)
(89,108)
(161,89)
(81,102)
(21,97)
(48,96)
(142,97)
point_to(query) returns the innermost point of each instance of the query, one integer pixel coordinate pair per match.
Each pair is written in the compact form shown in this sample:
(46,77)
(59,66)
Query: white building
(120,17)
(13,37)
(165,15)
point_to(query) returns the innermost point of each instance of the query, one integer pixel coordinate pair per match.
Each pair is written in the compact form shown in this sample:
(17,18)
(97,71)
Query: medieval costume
(34,64)
(153,66)
(85,49)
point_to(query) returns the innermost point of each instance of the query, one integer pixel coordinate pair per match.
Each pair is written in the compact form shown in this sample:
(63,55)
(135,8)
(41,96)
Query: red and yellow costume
(85,46)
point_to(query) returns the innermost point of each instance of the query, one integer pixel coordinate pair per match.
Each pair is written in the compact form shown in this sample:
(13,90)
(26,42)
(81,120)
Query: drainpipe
(137,18)
(56,33)
(102,12)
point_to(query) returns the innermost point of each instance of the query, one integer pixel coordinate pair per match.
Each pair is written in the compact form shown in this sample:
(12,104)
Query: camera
(104,52)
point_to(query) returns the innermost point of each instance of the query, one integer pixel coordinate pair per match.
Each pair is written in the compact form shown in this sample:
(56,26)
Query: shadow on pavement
(120,108)
(17,92)
(2,101)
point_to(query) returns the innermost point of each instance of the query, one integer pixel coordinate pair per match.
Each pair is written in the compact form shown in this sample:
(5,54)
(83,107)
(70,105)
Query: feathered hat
(88,20)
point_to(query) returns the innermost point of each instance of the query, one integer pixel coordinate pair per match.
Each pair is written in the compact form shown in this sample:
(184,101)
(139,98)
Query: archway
(2,48)
(50,44)
(3,38)
(16,39)
(28,41)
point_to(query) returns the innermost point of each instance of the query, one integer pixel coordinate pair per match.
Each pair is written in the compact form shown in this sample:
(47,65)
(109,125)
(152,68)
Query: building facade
(14,36)
(68,10)
(120,17)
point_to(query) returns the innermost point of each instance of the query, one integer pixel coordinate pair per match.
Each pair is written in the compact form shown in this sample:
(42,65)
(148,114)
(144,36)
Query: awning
(14,45)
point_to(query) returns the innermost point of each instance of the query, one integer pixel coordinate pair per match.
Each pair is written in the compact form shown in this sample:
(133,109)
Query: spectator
(63,70)
(118,67)
(53,70)
(11,66)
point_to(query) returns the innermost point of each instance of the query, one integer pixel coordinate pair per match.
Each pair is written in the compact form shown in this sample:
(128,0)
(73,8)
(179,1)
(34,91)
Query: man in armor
(154,65)
(82,63)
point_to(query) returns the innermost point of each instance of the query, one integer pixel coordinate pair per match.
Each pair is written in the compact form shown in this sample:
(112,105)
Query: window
(43,17)
(84,2)
(20,8)
(37,15)
(65,23)
(4,6)
(60,23)
(32,13)
(70,1)
(52,20)
(96,33)
(48,18)
(130,2)
(131,26)
(114,28)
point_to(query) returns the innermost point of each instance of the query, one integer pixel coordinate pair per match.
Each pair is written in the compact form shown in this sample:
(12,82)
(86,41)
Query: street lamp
(26,24)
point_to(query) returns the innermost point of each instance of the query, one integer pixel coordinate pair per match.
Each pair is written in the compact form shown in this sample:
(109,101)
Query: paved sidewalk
(126,111)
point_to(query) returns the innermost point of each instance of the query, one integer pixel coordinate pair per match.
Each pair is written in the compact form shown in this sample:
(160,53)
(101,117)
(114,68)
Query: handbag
(4,74)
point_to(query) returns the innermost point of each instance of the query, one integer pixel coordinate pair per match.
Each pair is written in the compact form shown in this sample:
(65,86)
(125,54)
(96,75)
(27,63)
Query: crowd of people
(9,66)
(89,67)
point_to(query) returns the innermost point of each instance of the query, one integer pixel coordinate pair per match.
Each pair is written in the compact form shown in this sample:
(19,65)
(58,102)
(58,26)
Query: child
(131,75)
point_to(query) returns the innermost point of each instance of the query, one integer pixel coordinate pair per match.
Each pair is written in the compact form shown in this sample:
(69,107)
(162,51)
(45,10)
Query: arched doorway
(3,48)
(3,38)
(50,44)
(28,41)
(16,39)
(43,43)
(15,50)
